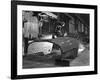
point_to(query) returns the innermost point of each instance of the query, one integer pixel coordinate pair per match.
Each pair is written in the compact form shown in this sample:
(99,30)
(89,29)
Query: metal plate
(45,47)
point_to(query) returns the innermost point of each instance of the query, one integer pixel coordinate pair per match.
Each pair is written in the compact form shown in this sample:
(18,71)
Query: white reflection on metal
(45,47)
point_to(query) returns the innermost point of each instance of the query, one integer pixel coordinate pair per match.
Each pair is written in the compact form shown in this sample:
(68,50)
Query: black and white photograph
(52,39)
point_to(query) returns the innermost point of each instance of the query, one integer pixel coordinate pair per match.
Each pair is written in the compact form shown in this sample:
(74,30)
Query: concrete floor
(35,61)
(82,59)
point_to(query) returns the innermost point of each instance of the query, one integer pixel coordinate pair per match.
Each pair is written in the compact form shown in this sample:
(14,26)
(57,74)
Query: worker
(59,29)
(31,30)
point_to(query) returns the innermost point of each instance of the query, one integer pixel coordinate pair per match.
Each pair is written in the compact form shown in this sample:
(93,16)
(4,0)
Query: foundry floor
(33,61)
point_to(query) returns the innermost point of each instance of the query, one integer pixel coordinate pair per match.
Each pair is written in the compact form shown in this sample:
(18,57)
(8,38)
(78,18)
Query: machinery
(68,47)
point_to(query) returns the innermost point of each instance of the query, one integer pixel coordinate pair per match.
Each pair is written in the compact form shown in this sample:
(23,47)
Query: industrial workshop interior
(54,39)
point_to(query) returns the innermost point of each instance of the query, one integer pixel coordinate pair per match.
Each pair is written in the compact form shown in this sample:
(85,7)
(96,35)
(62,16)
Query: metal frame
(14,39)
